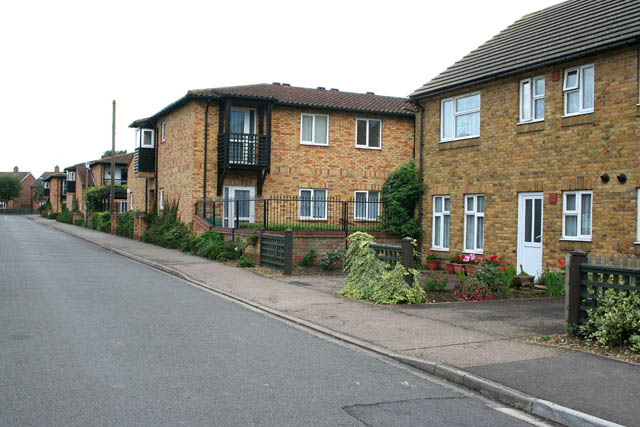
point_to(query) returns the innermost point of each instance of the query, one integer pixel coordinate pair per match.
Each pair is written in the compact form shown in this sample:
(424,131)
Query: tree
(10,187)
(108,153)
(400,196)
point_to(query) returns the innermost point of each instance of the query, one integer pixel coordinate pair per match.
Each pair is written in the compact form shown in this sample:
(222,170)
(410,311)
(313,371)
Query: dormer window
(144,138)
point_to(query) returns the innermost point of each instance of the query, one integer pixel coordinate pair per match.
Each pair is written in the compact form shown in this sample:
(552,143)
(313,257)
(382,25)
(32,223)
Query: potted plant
(432,260)
(469,262)
(458,264)
(450,265)
(523,279)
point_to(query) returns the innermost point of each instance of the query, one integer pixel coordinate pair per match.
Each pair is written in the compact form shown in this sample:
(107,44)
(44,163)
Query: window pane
(470,232)
(438,204)
(528,212)
(587,87)
(237,122)
(447,119)
(147,138)
(467,103)
(374,133)
(361,208)
(374,206)
(243,204)
(539,108)
(571,202)
(573,102)
(319,204)
(307,123)
(321,130)
(447,204)
(436,231)
(571,225)
(585,220)
(537,222)
(480,236)
(572,79)
(480,207)
(305,203)
(538,87)
(445,234)
(361,132)
(468,125)
(525,101)
(469,203)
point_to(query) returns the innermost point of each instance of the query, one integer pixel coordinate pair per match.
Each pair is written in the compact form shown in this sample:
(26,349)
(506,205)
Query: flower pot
(468,268)
(520,281)
(458,268)
(450,269)
(433,264)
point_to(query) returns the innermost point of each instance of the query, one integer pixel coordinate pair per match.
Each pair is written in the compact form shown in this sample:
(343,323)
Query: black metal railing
(243,150)
(295,213)
(107,181)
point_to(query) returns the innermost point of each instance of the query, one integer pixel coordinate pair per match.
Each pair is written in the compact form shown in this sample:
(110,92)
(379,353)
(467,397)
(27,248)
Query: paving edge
(491,389)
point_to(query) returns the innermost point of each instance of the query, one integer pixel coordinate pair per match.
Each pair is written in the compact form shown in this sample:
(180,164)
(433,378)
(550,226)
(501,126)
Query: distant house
(530,143)
(54,184)
(24,200)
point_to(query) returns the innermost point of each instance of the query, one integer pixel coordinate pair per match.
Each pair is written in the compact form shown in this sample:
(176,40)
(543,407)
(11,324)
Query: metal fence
(295,213)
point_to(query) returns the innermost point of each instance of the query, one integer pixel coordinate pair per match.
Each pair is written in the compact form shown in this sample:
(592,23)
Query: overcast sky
(63,62)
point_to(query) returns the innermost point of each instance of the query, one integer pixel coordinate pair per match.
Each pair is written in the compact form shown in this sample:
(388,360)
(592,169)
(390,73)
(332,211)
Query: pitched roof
(559,33)
(121,159)
(285,94)
(21,175)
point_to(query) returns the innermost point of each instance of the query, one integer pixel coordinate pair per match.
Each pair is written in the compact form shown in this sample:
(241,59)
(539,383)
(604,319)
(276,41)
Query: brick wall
(138,183)
(550,157)
(55,194)
(24,200)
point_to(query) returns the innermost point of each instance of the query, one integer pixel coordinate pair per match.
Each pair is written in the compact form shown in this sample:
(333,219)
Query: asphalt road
(90,338)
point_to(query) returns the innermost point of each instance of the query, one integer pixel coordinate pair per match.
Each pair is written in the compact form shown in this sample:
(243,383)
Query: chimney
(15,169)
(57,169)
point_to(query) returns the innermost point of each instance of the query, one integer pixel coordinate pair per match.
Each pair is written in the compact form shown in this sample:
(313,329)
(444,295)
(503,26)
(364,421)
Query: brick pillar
(139,225)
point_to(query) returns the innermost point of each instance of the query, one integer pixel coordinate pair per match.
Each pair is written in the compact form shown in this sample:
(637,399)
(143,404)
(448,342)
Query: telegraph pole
(113,158)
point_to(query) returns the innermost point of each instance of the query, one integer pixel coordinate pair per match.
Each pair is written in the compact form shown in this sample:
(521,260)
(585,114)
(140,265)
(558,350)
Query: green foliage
(10,187)
(167,230)
(65,216)
(125,224)
(208,245)
(45,210)
(435,284)
(495,275)
(472,289)
(108,153)
(95,195)
(331,260)
(554,281)
(53,215)
(400,195)
(101,221)
(432,255)
(615,321)
(245,262)
(252,239)
(79,222)
(370,279)
(231,250)
(308,259)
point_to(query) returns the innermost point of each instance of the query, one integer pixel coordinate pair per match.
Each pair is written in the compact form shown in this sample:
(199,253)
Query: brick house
(55,188)
(24,200)
(263,140)
(529,144)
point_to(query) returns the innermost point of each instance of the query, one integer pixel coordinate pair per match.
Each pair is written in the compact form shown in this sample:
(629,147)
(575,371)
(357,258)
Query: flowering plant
(562,264)
(496,275)
(471,289)
(432,255)
(469,259)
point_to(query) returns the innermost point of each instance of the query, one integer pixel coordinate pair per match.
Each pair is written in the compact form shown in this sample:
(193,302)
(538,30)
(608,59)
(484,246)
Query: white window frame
(577,213)
(312,203)
(456,114)
(140,138)
(444,213)
(161,199)
(474,212)
(532,99)
(123,206)
(367,204)
(637,242)
(313,129)
(163,128)
(638,74)
(130,194)
(71,176)
(579,88)
(46,185)
(366,146)
(3,205)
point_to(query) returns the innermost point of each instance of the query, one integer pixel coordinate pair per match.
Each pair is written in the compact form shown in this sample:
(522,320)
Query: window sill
(530,122)
(362,147)
(533,126)
(581,113)
(440,249)
(443,141)
(578,119)
(453,144)
(314,145)
(473,252)
(575,239)
(636,243)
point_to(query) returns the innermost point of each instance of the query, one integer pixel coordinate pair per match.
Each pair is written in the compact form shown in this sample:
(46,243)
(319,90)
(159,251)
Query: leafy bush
(125,224)
(400,195)
(231,250)
(245,262)
(370,279)
(167,230)
(208,245)
(554,281)
(435,284)
(495,275)
(79,222)
(95,195)
(252,239)
(309,259)
(331,260)
(45,210)
(472,289)
(53,215)
(101,221)
(615,321)
(65,216)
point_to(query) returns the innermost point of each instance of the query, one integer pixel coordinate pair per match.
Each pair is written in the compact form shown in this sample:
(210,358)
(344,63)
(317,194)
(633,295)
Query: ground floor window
(576,215)
(123,205)
(474,223)
(162,199)
(3,205)
(638,209)
(367,205)
(313,204)
(441,222)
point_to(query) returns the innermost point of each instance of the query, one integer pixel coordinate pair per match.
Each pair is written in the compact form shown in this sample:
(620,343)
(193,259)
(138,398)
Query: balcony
(144,159)
(71,186)
(243,151)
(107,181)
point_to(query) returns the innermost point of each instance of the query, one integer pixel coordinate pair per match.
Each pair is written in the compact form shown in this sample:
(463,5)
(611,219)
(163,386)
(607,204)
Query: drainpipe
(204,180)
(155,174)
(421,173)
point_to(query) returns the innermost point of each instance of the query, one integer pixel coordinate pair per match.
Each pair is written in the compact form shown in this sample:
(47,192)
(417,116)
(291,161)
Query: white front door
(530,232)
(238,204)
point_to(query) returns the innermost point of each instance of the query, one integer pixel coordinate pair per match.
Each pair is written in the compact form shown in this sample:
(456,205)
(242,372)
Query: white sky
(63,62)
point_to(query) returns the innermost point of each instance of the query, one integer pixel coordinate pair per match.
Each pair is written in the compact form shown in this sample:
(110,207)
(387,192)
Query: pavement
(484,346)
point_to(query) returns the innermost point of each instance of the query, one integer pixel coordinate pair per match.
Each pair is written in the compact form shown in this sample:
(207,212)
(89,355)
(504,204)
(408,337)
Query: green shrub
(53,215)
(231,250)
(208,245)
(554,281)
(370,279)
(96,194)
(65,216)
(435,284)
(101,221)
(495,275)
(79,222)
(309,259)
(400,195)
(331,260)
(167,230)
(615,321)
(252,239)
(125,224)
(45,210)
(245,262)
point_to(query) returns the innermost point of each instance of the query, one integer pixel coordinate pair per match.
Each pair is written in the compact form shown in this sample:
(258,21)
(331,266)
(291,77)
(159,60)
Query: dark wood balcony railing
(243,150)
(71,186)
(107,181)
(144,159)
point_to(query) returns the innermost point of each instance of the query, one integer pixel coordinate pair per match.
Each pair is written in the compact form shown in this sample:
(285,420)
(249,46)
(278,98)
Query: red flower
(561,262)
(492,257)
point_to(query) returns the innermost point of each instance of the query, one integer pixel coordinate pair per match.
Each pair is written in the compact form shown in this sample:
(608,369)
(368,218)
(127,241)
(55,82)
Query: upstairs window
(576,215)
(71,176)
(163,129)
(460,117)
(578,90)
(368,133)
(532,99)
(313,204)
(46,184)
(367,205)
(144,138)
(314,129)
